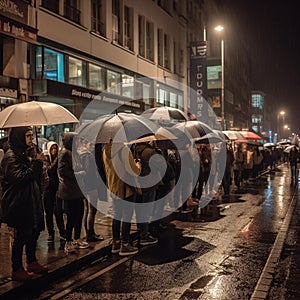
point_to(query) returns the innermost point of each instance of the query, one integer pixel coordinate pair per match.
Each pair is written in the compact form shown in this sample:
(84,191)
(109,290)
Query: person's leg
(116,223)
(78,214)
(58,210)
(18,242)
(49,211)
(30,246)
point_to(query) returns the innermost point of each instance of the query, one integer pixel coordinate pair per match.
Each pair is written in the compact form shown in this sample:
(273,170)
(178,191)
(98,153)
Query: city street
(203,259)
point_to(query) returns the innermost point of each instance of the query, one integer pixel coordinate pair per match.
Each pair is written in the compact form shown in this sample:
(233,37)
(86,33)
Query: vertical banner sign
(198,80)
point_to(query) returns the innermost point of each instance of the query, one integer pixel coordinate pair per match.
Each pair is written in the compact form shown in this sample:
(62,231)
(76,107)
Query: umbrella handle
(36,138)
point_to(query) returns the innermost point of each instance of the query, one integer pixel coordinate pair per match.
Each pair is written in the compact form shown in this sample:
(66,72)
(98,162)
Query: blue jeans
(122,211)
(144,213)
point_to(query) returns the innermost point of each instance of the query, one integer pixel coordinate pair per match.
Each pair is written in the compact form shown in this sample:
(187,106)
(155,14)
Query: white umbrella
(35,113)
(165,113)
(160,135)
(289,148)
(234,135)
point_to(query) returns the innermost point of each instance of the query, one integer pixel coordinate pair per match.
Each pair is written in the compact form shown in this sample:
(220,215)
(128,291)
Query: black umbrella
(194,129)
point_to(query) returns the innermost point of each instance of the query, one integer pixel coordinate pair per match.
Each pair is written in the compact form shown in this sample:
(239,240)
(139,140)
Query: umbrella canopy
(210,138)
(269,145)
(250,135)
(121,127)
(289,148)
(194,129)
(35,113)
(234,135)
(165,114)
(249,142)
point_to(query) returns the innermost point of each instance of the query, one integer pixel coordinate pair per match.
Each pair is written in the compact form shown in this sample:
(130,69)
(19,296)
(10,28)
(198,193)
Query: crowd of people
(62,185)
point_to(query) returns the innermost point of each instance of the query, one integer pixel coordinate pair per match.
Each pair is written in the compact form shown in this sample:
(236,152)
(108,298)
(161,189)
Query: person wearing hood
(70,194)
(21,203)
(90,183)
(51,205)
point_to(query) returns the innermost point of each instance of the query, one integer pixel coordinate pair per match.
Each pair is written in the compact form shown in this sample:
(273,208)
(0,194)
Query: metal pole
(222,87)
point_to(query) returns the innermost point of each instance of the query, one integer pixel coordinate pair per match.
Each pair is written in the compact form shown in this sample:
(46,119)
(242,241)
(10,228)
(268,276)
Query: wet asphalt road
(219,259)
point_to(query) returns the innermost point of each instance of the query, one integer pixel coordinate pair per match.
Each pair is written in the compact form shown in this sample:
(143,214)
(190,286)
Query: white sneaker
(69,247)
(79,244)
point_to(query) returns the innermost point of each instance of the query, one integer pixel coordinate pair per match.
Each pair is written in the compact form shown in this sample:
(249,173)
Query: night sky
(273,31)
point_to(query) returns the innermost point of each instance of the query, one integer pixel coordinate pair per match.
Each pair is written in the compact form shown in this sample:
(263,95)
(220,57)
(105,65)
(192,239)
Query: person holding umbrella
(21,202)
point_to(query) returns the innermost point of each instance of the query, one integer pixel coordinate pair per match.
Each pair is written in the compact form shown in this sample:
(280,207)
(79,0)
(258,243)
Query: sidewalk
(53,255)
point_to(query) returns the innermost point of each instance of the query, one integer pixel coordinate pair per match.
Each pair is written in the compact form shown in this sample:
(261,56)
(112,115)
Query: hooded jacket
(21,203)
(51,165)
(68,187)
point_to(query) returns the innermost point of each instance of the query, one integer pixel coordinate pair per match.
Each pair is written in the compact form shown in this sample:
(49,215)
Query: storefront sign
(18,31)
(198,80)
(16,10)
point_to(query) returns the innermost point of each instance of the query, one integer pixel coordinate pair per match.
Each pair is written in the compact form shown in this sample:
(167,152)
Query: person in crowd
(228,169)
(70,193)
(238,165)
(21,203)
(165,190)
(121,193)
(145,152)
(248,167)
(205,165)
(293,160)
(51,205)
(257,162)
(90,182)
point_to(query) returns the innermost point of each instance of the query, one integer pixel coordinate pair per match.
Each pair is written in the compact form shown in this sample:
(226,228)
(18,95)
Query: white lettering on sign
(10,7)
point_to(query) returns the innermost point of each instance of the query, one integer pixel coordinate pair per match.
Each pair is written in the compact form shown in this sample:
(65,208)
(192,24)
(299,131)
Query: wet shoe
(95,238)
(116,246)
(79,244)
(69,247)
(21,275)
(149,240)
(36,268)
(127,249)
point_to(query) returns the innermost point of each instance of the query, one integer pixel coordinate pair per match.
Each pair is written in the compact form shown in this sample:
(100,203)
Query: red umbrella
(250,135)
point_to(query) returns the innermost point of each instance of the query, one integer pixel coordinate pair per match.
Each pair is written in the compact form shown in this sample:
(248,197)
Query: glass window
(52,5)
(180,102)
(54,64)
(173,99)
(149,41)
(77,71)
(162,96)
(127,86)
(98,17)
(72,11)
(96,77)
(160,49)
(257,101)
(113,82)
(127,28)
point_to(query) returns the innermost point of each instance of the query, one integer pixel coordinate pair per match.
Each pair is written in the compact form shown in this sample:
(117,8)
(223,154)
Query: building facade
(128,55)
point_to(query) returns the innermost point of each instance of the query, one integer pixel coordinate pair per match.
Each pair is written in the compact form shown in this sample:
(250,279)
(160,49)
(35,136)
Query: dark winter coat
(68,187)
(21,203)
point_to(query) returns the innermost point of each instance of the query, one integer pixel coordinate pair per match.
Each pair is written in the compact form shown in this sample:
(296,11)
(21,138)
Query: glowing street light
(279,130)
(220,28)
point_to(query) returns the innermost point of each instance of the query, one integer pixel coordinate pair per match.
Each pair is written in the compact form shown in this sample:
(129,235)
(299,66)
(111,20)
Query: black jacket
(68,187)
(21,203)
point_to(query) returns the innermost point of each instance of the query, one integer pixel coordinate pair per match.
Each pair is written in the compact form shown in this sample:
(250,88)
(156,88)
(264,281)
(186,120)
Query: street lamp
(279,130)
(220,28)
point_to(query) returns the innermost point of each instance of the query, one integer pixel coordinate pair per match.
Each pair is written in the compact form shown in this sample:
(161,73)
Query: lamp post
(220,28)
(279,127)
